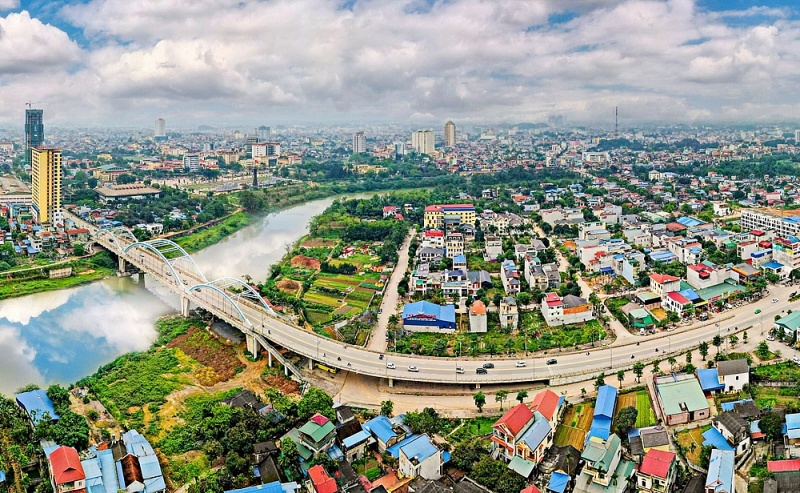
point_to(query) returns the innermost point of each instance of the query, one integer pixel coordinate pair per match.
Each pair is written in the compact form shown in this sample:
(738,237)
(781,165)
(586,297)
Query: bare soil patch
(307,262)
(288,285)
(208,350)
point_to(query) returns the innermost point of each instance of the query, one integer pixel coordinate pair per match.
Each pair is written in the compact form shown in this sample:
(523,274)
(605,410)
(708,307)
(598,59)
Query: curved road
(443,370)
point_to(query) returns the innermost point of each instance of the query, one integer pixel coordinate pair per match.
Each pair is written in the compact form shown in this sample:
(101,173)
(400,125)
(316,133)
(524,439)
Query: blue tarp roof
(715,439)
(558,482)
(273,487)
(36,403)
(394,450)
(353,440)
(601,428)
(606,401)
(728,406)
(689,222)
(381,427)
(420,448)
(773,265)
(793,421)
(446,313)
(690,295)
(709,380)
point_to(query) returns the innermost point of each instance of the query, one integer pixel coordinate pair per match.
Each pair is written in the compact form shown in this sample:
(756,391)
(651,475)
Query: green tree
(59,396)
(522,395)
(671,360)
(620,377)
(315,401)
(717,341)
(733,340)
(656,369)
(289,454)
(500,396)
(78,250)
(705,456)
(703,348)
(488,471)
(744,336)
(426,421)
(638,370)
(480,400)
(600,381)
(762,351)
(387,407)
(689,357)
(467,453)
(771,425)
(626,419)
(524,298)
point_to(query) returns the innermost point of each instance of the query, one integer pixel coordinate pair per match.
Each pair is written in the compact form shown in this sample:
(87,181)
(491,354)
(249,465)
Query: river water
(62,336)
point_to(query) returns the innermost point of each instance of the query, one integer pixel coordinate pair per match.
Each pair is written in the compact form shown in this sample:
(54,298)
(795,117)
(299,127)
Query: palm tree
(671,360)
(621,377)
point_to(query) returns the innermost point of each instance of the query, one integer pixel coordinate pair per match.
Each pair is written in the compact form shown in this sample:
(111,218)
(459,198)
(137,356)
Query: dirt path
(377,341)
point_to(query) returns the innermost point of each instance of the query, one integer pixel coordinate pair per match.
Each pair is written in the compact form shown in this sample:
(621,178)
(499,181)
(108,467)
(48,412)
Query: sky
(271,62)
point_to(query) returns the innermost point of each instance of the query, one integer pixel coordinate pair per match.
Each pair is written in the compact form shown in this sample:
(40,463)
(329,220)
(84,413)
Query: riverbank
(32,281)
(210,235)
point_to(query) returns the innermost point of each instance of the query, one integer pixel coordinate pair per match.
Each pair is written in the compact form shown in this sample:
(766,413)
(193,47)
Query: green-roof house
(318,434)
(605,470)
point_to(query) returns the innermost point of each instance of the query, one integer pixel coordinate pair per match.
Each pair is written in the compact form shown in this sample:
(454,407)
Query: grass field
(576,423)
(694,436)
(775,397)
(641,401)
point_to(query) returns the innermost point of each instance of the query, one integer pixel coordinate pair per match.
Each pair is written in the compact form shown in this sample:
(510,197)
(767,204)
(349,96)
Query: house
(66,471)
(493,249)
(791,437)
(568,310)
(674,301)
(36,404)
(550,405)
(139,464)
(478,320)
(510,277)
(385,431)
(604,408)
(733,374)
(734,429)
(508,429)
(643,440)
(509,316)
(532,445)
(351,437)
(604,468)
(657,472)
(320,481)
(318,434)
(681,400)
(720,472)
(420,458)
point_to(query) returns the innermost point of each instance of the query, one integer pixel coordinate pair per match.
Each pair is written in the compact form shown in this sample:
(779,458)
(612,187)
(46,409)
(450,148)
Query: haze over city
(225,62)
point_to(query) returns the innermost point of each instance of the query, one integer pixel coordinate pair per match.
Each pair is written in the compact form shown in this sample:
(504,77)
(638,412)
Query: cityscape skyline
(422,62)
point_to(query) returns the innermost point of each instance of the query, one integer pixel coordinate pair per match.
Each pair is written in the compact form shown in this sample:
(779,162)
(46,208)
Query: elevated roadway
(238,304)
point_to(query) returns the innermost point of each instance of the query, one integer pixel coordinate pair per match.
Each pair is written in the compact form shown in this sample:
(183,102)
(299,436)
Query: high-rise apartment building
(359,143)
(399,149)
(263,133)
(423,141)
(797,136)
(161,130)
(34,131)
(191,162)
(449,134)
(46,176)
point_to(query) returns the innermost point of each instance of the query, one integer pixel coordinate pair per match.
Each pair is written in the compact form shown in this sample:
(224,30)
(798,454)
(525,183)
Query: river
(62,336)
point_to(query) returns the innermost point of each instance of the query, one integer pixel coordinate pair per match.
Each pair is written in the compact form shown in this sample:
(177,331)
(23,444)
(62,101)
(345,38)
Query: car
(520,364)
(774,300)
(488,365)
(770,337)
(390,366)
(380,310)
(757,311)
(552,361)
(796,360)
(459,369)
(413,368)
(481,370)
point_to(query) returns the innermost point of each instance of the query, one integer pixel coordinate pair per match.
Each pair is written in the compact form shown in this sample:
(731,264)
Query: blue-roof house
(603,413)
(35,403)
(385,431)
(720,472)
(419,457)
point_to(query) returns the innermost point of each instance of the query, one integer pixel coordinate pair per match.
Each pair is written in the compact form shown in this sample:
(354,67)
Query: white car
(770,338)
(774,300)
(390,366)
(413,368)
(796,360)
(520,364)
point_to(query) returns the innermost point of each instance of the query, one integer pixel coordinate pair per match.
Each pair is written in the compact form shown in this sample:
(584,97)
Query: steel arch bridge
(171,254)
(235,291)
(115,234)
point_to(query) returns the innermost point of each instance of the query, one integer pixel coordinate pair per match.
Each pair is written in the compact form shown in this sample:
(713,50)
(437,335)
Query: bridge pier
(310,364)
(391,383)
(253,347)
(286,371)
(269,359)
(185,306)
(477,385)
(122,264)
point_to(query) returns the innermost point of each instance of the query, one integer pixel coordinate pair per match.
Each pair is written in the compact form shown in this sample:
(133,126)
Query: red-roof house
(321,481)
(548,403)
(66,471)
(661,284)
(657,471)
(531,489)
(790,465)
(508,429)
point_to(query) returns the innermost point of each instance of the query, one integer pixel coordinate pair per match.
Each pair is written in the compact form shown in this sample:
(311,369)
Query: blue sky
(287,61)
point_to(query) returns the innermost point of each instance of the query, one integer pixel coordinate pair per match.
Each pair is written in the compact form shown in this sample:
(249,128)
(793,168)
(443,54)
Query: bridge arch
(116,233)
(246,291)
(170,253)
(225,296)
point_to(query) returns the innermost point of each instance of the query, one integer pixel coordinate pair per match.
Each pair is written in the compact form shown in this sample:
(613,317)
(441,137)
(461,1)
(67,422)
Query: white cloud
(22,310)
(28,46)
(244,61)
(16,365)
(8,4)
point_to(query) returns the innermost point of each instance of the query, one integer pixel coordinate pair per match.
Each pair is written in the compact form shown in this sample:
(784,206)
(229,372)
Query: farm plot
(576,424)
(641,401)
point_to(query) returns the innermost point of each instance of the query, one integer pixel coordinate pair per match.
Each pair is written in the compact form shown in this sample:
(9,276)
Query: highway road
(283,333)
